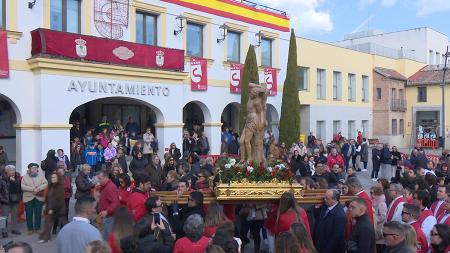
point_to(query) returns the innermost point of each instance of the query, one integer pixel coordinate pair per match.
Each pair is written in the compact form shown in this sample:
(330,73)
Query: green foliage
(250,75)
(290,105)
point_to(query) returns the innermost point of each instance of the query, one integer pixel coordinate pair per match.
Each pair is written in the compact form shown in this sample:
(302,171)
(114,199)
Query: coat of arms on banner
(81,47)
(159,58)
(268,79)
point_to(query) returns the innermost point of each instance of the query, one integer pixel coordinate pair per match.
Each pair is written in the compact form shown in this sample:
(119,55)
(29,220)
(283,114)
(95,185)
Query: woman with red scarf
(283,215)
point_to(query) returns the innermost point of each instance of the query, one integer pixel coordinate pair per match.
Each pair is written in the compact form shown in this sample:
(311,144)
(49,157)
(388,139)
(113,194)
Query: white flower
(250,169)
(232,161)
(269,169)
(281,166)
(227,166)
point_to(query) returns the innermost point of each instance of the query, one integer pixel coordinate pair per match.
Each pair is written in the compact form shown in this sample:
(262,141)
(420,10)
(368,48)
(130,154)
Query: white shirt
(82,219)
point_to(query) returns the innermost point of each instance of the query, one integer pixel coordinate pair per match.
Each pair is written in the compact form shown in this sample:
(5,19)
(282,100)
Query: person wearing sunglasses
(440,238)
(410,215)
(394,237)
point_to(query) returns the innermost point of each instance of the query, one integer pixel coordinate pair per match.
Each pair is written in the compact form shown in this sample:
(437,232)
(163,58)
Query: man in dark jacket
(348,150)
(330,223)
(362,239)
(195,206)
(394,236)
(376,156)
(83,183)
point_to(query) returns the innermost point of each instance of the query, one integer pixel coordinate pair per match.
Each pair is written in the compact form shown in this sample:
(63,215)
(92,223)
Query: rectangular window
(378,93)
(336,126)
(321,84)
(401,126)
(146,28)
(337,85)
(194,40)
(365,89)
(438,58)
(421,94)
(303,78)
(65,15)
(351,87)
(365,128)
(233,46)
(2,13)
(320,129)
(266,52)
(430,57)
(394,127)
(351,129)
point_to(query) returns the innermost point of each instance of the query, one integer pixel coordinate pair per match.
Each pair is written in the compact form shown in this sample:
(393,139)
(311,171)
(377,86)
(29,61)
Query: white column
(166,134)
(213,132)
(33,141)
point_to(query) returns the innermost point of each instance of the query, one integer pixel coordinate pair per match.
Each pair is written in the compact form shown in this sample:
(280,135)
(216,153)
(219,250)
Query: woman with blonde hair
(214,218)
(379,204)
(410,237)
(33,186)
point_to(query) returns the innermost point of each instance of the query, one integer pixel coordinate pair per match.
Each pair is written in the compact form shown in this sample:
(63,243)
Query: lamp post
(443,132)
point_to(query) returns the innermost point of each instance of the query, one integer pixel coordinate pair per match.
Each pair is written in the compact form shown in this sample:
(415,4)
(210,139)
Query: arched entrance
(273,120)
(230,116)
(195,114)
(132,114)
(9,116)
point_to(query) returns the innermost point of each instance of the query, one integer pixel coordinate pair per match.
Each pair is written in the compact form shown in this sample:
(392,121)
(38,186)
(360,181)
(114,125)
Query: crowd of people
(115,176)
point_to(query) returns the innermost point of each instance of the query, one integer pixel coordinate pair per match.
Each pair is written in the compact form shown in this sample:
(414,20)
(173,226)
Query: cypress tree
(290,105)
(250,75)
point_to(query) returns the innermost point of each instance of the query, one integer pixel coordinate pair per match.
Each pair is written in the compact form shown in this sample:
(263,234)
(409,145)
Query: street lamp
(443,133)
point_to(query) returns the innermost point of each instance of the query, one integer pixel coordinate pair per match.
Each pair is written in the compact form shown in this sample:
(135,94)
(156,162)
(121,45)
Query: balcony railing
(398,105)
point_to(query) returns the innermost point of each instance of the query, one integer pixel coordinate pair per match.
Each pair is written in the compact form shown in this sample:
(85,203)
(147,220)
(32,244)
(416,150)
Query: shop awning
(102,50)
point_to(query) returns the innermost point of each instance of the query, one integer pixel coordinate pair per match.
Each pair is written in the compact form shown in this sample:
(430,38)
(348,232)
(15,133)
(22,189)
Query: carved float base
(256,190)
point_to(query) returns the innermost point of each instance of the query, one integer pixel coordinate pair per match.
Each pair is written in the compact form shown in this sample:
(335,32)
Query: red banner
(199,74)
(4,64)
(236,72)
(97,49)
(270,78)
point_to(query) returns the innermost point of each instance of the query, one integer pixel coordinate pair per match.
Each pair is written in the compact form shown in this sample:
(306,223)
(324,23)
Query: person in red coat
(355,188)
(108,201)
(335,158)
(440,238)
(194,241)
(126,188)
(283,215)
(410,215)
(136,201)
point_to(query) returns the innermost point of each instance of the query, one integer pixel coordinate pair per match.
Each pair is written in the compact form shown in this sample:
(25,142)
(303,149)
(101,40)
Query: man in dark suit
(330,224)
(362,239)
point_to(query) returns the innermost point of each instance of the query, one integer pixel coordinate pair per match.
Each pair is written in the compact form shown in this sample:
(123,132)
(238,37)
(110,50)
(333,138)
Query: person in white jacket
(395,208)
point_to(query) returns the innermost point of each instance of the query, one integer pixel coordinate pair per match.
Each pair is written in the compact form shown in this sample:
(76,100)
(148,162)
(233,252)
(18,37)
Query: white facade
(334,119)
(420,44)
(44,97)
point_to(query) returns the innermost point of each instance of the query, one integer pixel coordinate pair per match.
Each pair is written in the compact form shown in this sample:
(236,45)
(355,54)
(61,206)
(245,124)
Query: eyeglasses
(403,212)
(199,176)
(432,233)
(384,234)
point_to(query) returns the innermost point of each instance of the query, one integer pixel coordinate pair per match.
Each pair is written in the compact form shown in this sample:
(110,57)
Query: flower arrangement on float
(254,180)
